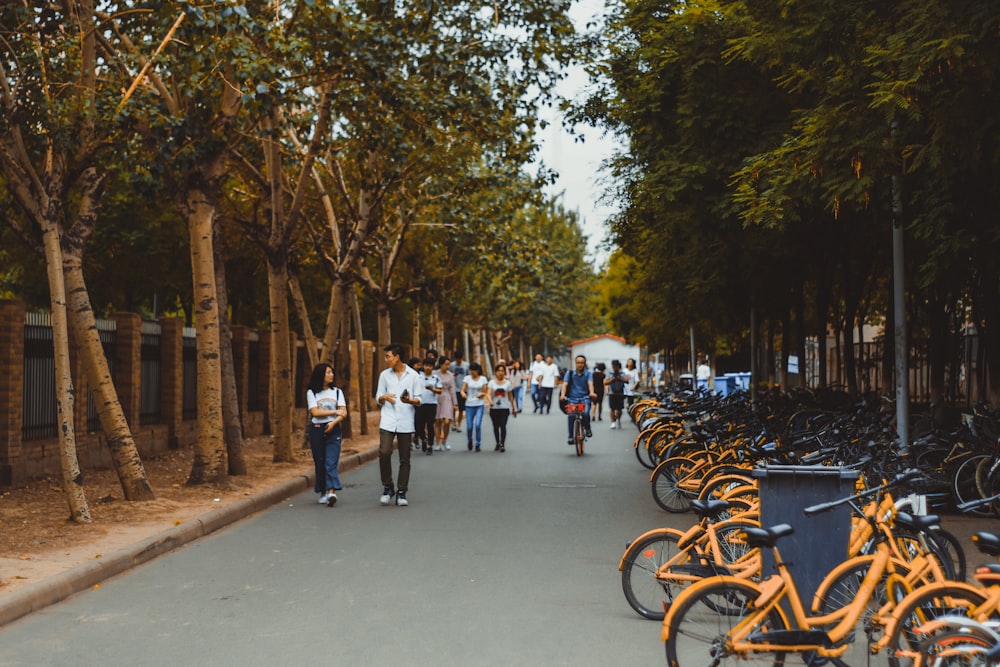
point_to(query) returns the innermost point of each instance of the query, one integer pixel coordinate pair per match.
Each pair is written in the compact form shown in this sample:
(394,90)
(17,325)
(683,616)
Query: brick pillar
(264,378)
(172,377)
(11,390)
(241,362)
(128,364)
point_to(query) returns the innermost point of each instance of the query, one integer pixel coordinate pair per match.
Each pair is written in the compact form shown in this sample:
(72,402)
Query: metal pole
(693,362)
(899,318)
(754,372)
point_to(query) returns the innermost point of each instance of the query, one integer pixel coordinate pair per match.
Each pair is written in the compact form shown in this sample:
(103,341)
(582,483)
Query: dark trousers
(499,418)
(424,421)
(545,399)
(403,441)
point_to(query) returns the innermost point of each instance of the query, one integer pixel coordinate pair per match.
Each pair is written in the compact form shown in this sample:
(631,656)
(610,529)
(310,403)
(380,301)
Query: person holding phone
(398,394)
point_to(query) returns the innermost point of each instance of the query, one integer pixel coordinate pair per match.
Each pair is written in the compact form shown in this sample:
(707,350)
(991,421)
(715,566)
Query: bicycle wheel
(925,604)
(643,591)
(963,483)
(719,485)
(988,481)
(956,648)
(667,494)
(578,436)
(951,549)
(697,634)
(843,591)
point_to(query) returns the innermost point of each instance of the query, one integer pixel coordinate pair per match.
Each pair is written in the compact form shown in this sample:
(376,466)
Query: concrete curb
(39,595)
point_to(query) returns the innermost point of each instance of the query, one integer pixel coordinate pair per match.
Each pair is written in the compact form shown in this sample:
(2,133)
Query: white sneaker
(447,447)
(613,427)
(387,495)
(323,499)
(438,448)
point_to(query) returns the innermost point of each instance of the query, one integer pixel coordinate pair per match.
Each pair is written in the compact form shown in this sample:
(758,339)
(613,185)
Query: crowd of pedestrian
(423,401)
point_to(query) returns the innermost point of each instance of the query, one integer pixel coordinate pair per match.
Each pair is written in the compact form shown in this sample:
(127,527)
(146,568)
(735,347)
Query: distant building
(604,348)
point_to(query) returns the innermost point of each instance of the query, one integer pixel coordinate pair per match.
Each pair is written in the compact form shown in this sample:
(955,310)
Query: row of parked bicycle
(898,595)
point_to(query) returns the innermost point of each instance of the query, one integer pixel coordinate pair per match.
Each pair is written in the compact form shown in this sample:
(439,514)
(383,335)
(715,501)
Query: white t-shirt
(501,394)
(330,398)
(631,381)
(535,370)
(550,372)
(398,417)
(472,390)
(427,396)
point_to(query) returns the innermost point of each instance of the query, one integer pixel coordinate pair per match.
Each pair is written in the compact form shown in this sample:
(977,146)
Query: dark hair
(600,366)
(395,348)
(317,382)
(432,353)
(474,366)
(615,362)
(428,361)
(414,362)
(499,366)
(441,360)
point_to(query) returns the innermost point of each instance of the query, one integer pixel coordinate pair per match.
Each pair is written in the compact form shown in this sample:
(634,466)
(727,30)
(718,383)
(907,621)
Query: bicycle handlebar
(978,502)
(901,478)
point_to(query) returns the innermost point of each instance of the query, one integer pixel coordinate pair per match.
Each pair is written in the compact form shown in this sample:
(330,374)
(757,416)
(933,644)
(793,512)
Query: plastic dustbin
(820,542)
(724,386)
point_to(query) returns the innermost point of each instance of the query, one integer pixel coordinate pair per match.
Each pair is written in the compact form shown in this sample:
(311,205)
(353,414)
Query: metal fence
(39,398)
(149,383)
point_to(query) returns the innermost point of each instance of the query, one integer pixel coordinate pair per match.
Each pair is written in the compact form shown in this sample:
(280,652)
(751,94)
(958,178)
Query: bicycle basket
(573,408)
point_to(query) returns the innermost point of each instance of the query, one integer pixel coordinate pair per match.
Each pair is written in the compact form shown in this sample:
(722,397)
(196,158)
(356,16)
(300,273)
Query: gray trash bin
(820,542)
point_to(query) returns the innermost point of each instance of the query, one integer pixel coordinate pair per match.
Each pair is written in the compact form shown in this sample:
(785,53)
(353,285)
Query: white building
(604,348)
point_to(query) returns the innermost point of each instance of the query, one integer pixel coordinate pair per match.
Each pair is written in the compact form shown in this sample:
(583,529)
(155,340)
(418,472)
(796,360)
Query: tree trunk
(281,358)
(384,324)
(233,427)
(210,447)
(850,360)
(121,442)
(359,344)
(72,477)
(295,290)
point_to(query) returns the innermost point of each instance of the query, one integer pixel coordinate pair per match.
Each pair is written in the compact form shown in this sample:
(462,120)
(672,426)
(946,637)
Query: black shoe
(428,451)
(497,448)
(331,500)
(570,441)
(477,449)
(589,434)
(502,448)
(470,445)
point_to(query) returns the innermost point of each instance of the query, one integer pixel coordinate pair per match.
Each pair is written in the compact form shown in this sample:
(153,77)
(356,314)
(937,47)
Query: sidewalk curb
(39,595)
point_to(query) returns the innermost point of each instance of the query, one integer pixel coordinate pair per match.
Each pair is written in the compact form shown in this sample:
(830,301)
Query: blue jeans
(519,397)
(474,421)
(325,446)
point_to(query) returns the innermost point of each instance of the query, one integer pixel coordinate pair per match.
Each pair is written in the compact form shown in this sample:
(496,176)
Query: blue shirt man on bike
(578,387)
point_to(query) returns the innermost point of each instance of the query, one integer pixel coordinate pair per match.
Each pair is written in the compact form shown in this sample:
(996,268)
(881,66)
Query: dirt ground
(37,540)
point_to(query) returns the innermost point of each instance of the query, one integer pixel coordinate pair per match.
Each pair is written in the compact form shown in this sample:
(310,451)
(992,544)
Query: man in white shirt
(631,386)
(534,371)
(547,377)
(398,394)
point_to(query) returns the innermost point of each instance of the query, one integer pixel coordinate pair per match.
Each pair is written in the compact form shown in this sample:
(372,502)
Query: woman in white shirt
(474,392)
(327,409)
(500,392)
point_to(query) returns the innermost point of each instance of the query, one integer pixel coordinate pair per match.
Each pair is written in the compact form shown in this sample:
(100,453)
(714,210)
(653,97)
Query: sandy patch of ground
(37,540)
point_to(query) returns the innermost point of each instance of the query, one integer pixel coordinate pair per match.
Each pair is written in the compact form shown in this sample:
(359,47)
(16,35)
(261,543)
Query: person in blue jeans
(578,387)
(474,393)
(327,409)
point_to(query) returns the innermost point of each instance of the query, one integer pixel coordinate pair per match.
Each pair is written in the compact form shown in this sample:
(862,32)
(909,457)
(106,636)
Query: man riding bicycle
(578,387)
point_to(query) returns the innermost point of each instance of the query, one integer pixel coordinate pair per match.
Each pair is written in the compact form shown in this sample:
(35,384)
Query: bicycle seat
(709,509)
(988,543)
(766,537)
(920,522)
(988,575)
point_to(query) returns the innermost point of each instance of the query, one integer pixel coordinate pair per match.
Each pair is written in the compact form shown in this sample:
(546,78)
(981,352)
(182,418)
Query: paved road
(501,559)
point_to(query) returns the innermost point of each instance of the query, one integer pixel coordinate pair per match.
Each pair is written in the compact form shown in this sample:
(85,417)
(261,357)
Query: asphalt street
(500,559)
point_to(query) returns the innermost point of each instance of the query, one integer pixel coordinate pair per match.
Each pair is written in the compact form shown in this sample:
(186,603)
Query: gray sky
(578,163)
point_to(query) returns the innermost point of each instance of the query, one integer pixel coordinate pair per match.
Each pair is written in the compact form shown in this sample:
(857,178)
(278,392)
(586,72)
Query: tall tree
(57,93)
